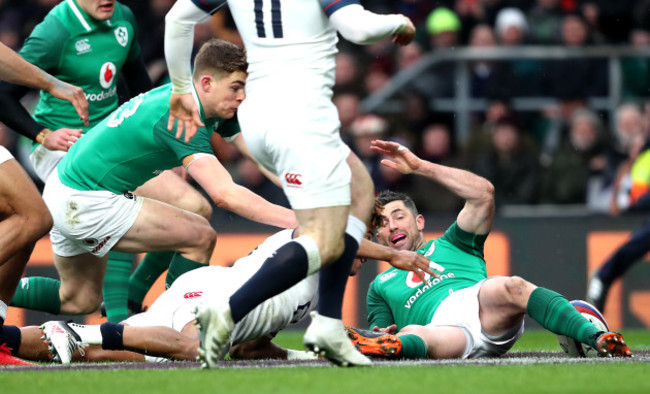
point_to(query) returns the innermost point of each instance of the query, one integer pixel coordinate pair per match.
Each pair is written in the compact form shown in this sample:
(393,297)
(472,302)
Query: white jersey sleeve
(361,26)
(179,40)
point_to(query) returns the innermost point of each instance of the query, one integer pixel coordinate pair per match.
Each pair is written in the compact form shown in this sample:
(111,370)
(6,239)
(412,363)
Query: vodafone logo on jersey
(107,74)
(413,281)
(293,179)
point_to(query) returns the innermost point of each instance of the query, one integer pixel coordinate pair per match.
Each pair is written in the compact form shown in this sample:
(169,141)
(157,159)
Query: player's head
(100,10)
(401,225)
(220,77)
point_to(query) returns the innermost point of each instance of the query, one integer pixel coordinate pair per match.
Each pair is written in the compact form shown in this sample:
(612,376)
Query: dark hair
(387,196)
(218,57)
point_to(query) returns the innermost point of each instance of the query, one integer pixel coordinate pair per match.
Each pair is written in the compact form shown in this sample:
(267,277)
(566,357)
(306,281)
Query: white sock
(90,334)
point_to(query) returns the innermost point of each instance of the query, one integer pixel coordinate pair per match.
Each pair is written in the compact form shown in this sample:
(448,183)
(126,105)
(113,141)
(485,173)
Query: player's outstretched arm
(219,185)
(361,26)
(15,69)
(477,215)
(179,40)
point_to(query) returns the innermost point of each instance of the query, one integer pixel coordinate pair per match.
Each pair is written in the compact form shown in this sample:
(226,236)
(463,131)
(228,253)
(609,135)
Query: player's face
(225,95)
(98,9)
(400,229)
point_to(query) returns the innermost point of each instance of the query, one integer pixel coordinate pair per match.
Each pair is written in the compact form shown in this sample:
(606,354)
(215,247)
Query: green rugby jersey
(400,297)
(133,145)
(82,51)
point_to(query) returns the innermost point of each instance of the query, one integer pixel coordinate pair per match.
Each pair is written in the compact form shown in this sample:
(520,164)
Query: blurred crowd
(565,154)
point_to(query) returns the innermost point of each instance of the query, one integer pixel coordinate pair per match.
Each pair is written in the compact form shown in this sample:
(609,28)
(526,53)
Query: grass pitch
(548,373)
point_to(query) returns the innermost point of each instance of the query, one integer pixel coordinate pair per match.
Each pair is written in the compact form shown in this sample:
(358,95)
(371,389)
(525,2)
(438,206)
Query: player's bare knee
(206,239)
(80,304)
(37,224)
(516,288)
(330,253)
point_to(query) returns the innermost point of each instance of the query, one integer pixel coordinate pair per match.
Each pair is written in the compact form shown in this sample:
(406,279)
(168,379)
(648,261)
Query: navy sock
(288,266)
(333,278)
(112,336)
(11,336)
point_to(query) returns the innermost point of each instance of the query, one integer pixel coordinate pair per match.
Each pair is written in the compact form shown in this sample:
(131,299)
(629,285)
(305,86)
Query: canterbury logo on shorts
(293,179)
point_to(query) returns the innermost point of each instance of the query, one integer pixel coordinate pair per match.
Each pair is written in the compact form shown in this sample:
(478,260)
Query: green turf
(547,378)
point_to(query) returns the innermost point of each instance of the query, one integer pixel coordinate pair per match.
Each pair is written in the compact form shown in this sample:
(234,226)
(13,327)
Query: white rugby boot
(62,341)
(326,337)
(215,326)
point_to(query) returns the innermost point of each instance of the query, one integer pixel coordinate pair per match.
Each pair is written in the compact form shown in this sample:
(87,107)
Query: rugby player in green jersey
(88,43)
(89,191)
(462,313)
(25,218)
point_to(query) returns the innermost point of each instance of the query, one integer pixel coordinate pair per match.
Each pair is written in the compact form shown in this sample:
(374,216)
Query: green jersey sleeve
(43,48)
(467,242)
(379,313)
(200,143)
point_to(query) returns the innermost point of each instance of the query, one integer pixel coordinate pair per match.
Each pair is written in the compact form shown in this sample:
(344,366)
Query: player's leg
(504,301)
(124,291)
(82,277)
(25,219)
(617,264)
(161,227)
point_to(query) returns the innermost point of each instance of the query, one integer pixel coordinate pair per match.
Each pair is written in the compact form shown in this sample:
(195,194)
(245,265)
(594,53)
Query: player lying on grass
(167,329)
(463,313)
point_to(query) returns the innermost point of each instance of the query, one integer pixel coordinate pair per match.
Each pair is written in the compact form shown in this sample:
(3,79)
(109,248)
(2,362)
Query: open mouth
(398,239)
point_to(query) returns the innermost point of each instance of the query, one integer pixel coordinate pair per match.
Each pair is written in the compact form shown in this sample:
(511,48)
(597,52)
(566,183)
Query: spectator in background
(364,129)
(519,77)
(555,125)
(585,77)
(635,70)
(443,28)
(483,71)
(581,157)
(437,146)
(347,105)
(347,76)
(511,164)
(480,139)
(545,19)
(630,135)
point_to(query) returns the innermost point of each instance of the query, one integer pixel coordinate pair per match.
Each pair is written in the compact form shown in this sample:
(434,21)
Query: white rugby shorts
(44,161)
(296,136)
(461,309)
(4,154)
(87,221)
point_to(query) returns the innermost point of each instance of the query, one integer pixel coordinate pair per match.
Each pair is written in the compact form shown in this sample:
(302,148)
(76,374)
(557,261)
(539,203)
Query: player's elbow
(357,36)
(486,191)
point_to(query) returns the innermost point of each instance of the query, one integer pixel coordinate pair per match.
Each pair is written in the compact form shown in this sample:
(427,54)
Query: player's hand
(388,330)
(406,35)
(74,95)
(412,261)
(184,108)
(61,139)
(403,160)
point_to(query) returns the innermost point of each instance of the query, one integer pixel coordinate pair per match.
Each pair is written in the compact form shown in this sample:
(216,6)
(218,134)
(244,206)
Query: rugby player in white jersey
(291,126)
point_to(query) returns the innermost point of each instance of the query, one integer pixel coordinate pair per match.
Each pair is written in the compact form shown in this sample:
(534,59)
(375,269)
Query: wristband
(40,137)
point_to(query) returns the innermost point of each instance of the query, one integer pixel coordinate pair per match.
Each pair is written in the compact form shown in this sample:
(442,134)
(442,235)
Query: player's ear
(420,222)
(205,82)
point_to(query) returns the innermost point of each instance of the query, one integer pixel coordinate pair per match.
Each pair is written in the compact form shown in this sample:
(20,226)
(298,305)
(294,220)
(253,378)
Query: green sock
(116,286)
(413,346)
(178,267)
(38,293)
(557,315)
(146,274)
